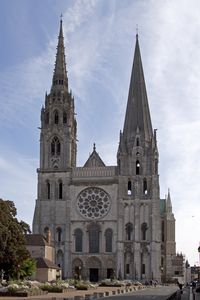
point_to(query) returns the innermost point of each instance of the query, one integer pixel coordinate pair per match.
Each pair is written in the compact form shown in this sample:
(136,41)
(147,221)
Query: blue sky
(100,40)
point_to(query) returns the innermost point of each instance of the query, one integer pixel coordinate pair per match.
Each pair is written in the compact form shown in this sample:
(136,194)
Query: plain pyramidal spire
(137,117)
(60,72)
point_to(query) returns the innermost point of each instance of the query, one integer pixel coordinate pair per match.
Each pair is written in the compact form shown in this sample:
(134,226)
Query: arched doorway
(93,265)
(77,268)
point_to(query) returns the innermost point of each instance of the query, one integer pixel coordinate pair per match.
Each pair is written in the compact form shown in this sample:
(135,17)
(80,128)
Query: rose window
(93,203)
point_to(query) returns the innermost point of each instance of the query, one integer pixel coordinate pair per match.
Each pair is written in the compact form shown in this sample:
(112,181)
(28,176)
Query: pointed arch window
(78,240)
(48,189)
(64,118)
(145,191)
(55,146)
(129,192)
(144,228)
(60,190)
(137,142)
(59,234)
(129,231)
(56,117)
(137,167)
(94,238)
(108,239)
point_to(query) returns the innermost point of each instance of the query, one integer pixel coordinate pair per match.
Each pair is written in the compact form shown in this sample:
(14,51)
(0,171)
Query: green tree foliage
(27,268)
(13,252)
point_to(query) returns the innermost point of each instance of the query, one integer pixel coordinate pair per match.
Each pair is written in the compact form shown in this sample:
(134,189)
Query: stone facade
(104,221)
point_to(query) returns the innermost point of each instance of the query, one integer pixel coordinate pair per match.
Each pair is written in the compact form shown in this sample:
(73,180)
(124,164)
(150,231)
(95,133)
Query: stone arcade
(103,220)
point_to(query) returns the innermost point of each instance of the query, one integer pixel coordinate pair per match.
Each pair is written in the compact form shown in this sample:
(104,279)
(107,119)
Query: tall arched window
(108,238)
(94,238)
(56,117)
(60,190)
(59,234)
(144,228)
(78,240)
(145,186)
(48,190)
(129,192)
(137,167)
(129,231)
(64,117)
(137,142)
(55,146)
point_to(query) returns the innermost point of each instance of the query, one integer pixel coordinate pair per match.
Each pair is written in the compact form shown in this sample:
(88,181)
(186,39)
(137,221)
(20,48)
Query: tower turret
(58,123)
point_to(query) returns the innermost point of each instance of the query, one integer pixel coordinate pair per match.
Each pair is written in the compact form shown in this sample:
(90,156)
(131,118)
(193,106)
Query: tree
(27,268)
(12,242)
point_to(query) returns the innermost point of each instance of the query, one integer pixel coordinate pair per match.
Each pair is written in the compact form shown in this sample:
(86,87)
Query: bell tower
(138,181)
(58,124)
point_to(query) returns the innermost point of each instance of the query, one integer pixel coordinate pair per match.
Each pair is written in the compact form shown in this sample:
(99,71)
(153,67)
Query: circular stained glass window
(93,203)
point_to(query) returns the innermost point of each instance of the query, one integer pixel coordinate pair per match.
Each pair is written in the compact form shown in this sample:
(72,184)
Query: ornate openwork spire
(60,79)
(137,117)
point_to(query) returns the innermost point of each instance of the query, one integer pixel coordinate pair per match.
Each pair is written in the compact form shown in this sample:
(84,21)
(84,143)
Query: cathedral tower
(138,181)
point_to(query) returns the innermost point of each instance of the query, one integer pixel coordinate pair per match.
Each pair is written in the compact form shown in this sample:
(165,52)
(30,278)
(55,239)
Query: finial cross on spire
(61,16)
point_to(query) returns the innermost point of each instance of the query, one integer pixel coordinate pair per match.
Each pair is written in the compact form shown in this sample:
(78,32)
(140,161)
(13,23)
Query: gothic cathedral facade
(104,221)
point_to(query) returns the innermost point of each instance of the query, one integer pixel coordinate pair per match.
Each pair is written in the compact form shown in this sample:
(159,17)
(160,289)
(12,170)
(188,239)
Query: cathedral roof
(94,160)
(137,119)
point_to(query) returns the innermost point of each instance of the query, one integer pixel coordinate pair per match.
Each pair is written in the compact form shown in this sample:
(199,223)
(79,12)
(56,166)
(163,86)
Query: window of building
(48,190)
(56,117)
(64,118)
(143,269)
(144,230)
(59,234)
(145,186)
(137,167)
(55,146)
(108,238)
(94,238)
(78,240)
(127,269)
(60,190)
(129,192)
(137,142)
(163,231)
(129,231)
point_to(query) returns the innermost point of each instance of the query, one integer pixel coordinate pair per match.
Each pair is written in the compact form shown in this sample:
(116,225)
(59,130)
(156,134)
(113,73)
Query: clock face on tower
(93,203)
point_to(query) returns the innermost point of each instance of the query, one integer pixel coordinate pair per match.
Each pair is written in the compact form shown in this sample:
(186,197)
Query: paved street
(157,293)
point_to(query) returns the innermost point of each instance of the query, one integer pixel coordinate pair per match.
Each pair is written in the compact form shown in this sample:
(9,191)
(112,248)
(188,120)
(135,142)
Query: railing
(94,172)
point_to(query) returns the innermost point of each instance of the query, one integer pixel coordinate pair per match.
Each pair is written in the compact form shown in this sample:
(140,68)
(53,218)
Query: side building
(104,220)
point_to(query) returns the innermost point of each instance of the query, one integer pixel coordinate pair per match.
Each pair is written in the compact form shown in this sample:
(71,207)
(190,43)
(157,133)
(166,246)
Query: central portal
(94,275)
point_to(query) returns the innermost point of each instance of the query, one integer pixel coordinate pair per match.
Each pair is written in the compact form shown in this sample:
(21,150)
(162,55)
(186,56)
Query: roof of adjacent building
(43,263)
(35,240)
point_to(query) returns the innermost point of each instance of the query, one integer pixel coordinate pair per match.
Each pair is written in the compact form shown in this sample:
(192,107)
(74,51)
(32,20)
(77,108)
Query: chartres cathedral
(103,221)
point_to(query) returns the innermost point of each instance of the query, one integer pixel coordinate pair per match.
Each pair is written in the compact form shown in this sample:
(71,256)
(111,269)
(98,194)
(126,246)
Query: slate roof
(43,263)
(35,240)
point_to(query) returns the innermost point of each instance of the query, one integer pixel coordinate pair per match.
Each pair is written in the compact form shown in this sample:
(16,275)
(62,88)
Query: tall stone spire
(60,73)
(137,119)
(168,203)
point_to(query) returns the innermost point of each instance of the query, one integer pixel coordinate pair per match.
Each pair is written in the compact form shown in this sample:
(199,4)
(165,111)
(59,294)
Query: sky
(100,40)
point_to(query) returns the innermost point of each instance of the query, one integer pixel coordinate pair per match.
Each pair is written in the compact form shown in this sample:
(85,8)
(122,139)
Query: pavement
(159,292)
